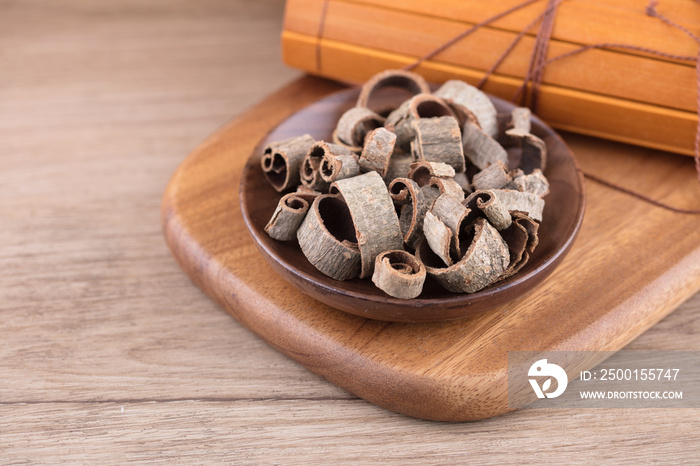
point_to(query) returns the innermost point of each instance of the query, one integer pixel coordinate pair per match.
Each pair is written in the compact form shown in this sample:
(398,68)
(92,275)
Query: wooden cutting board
(632,264)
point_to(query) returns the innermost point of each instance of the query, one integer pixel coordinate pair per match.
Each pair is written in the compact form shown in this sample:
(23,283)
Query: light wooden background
(107,352)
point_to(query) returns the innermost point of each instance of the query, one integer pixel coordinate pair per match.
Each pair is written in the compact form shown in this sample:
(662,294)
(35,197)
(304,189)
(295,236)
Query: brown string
(319,34)
(651,11)
(545,33)
(535,71)
(639,195)
(613,45)
(539,61)
(464,34)
(509,49)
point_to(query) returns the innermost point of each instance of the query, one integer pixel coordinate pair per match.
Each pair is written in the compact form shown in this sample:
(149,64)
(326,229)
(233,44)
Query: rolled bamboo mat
(616,93)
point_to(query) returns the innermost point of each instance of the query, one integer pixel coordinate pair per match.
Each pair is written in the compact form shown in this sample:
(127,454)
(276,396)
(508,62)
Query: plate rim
(450,300)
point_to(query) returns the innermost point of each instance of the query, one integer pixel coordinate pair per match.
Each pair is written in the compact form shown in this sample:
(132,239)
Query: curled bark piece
(532,229)
(376,153)
(534,151)
(327,238)
(464,115)
(431,194)
(439,237)
(528,203)
(398,116)
(463,182)
(399,165)
(481,148)
(310,172)
(505,122)
(282,160)
(411,82)
(494,210)
(450,211)
(351,148)
(521,238)
(406,192)
(354,125)
(428,106)
(534,183)
(422,172)
(337,167)
(521,119)
(288,215)
(439,139)
(484,261)
(448,186)
(399,274)
(418,107)
(306,192)
(495,176)
(411,220)
(374,217)
(460,94)
(399,122)
(473,213)
(403,190)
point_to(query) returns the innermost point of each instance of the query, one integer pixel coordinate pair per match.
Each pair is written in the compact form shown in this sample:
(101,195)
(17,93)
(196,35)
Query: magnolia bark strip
(481,149)
(376,153)
(399,274)
(327,239)
(354,125)
(310,172)
(438,139)
(374,217)
(534,183)
(483,262)
(494,176)
(281,161)
(533,151)
(460,94)
(288,215)
(410,199)
(521,238)
(412,82)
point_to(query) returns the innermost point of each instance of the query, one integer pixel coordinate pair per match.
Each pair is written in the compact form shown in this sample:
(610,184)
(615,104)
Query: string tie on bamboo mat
(538,63)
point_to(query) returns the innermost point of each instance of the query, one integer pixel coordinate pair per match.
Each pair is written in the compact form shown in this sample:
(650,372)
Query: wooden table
(108,353)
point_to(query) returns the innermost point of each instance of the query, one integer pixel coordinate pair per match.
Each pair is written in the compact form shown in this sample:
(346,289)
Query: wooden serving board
(631,265)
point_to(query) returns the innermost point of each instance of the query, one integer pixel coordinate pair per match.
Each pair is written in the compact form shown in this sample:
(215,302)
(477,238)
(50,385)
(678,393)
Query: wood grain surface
(564,212)
(627,270)
(99,104)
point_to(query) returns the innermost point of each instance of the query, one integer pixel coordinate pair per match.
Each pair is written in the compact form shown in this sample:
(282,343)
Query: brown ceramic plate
(562,217)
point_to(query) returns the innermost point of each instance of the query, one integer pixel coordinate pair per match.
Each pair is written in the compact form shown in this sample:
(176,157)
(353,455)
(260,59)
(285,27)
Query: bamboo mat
(620,94)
